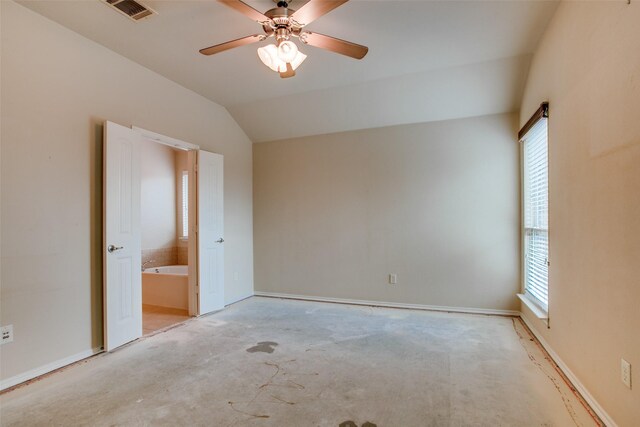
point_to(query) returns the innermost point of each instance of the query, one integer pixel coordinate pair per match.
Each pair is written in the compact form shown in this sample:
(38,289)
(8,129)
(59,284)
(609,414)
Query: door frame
(166,140)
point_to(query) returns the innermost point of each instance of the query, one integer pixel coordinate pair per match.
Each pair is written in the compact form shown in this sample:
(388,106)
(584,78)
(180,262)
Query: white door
(122,287)
(210,232)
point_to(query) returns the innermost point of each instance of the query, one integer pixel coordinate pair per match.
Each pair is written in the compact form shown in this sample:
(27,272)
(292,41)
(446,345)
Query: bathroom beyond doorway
(164,217)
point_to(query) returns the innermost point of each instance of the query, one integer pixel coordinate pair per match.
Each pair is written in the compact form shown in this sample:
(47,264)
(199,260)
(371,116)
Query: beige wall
(435,203)
(588,67)
(57,89)
(158,194)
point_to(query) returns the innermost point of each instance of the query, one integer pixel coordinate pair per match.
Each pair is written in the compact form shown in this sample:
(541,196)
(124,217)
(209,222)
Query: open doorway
(194,230)
(164,217)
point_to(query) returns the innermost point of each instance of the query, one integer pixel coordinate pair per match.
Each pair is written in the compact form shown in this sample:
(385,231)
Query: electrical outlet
(625,372)
(393,279)
(7,334)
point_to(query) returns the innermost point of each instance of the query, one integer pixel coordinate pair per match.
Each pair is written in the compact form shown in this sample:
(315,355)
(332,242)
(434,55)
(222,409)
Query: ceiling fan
(284,24)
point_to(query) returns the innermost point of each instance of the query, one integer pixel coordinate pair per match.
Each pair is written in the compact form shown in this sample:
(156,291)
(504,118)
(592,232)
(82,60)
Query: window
(536,211)
(185,204)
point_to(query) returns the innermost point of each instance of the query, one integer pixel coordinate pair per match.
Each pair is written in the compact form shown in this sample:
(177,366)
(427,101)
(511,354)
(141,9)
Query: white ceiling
(428,60)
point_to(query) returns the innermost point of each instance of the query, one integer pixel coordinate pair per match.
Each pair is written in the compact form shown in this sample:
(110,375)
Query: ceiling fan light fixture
(269,56)
(295,63)
(287,51)
(283,23)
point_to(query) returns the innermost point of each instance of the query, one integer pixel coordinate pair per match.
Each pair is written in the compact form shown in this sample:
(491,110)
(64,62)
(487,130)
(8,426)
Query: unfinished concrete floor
(270,362)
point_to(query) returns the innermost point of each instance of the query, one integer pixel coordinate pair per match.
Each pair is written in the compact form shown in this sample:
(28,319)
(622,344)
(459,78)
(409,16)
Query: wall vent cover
(133,9)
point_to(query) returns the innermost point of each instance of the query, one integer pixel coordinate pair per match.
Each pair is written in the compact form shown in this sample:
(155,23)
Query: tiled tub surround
(164,256)
(183,254)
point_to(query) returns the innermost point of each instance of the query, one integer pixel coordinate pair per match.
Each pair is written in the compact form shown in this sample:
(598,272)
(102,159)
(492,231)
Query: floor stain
(350,423)
(246,413)
(257,397)
(263,347)
(288,383)
(282,400)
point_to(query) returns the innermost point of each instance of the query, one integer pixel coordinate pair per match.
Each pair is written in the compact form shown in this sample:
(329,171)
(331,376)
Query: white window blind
(536,213)
(185,204)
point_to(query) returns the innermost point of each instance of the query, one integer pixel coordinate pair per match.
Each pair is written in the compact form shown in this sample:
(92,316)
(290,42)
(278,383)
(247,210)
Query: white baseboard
(469,310)
(227,304)
(571,376)
(34,373)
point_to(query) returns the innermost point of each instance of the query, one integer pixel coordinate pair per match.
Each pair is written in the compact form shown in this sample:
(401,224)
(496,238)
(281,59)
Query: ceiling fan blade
(231,44)
(314,9)
(246,10)
(333,44)
(289,73)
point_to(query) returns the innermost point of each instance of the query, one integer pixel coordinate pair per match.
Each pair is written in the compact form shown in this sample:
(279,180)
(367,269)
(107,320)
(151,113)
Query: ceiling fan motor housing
(280,19)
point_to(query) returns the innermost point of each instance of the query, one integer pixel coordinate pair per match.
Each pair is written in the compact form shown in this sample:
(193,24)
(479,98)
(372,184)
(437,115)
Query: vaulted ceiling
(427,60)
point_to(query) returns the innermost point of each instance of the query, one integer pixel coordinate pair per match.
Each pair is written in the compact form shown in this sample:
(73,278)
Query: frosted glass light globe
(269,57)
(287,51)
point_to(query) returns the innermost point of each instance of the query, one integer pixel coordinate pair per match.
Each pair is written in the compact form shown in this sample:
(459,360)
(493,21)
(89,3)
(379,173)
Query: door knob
(112,248)
(220,240)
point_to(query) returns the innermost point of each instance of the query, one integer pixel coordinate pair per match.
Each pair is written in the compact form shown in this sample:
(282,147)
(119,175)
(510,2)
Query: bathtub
(166,286)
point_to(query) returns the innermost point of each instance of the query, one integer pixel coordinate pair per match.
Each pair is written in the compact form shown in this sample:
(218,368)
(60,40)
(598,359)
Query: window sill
(535,308)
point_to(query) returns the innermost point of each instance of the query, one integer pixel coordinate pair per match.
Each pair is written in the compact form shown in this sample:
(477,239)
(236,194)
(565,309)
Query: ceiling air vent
(133,9)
